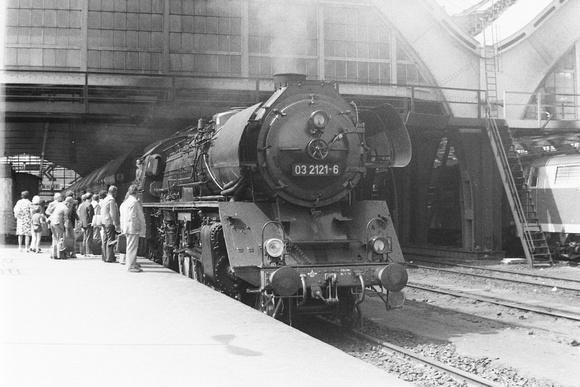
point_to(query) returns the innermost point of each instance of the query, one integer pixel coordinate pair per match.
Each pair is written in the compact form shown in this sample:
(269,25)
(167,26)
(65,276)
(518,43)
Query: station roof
(511,20)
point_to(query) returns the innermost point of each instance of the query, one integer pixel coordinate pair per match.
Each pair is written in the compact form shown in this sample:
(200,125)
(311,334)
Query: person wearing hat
(57,224)
(85,214)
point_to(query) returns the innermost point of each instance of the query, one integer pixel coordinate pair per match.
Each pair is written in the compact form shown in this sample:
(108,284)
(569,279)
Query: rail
(545,310)
(467,378)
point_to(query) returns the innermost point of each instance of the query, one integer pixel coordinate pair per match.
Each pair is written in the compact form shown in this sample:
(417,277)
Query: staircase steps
(521,203)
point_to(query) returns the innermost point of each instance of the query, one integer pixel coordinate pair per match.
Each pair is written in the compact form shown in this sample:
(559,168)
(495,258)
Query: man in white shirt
(111,224)
(133,226)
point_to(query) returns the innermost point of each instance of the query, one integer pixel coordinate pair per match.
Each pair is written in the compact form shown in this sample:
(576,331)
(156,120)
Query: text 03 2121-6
(315,169)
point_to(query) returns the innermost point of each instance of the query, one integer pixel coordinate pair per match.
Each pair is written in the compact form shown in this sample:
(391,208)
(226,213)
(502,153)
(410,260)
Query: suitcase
(121,244)
(65,246)
(69,244)
(142,249)
(97,246)
(78,240)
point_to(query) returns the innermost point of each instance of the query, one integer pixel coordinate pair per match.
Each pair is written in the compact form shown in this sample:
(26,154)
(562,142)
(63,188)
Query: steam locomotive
(273,204)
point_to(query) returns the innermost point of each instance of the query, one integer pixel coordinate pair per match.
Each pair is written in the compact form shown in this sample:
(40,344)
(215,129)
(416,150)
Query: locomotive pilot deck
(82,322)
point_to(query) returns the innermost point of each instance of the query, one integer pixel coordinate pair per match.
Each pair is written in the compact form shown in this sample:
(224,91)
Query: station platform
(84,322)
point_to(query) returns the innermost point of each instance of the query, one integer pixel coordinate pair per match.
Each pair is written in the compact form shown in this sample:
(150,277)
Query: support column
(425,145)
(476,160)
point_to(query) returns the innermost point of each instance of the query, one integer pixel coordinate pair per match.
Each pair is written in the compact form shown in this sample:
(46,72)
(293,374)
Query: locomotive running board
(186,205)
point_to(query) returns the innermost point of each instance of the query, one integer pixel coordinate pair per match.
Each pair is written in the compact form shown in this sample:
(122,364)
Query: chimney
(281,80)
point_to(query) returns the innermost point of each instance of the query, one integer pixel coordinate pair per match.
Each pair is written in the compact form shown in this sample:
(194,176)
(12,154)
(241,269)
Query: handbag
(142,249)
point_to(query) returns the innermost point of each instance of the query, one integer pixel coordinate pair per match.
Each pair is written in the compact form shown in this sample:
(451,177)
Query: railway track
(547,285)
(554,312)
(454,372)
(462,378)
(508,272)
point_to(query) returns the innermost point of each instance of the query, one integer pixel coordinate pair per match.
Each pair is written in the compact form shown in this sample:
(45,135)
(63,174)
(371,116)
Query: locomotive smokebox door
(310,150)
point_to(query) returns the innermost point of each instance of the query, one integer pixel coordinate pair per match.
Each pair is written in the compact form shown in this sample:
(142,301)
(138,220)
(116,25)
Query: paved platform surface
(83,322)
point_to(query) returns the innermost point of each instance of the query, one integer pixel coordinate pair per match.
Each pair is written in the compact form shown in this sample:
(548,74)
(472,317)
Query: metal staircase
(525,217)
(526,220)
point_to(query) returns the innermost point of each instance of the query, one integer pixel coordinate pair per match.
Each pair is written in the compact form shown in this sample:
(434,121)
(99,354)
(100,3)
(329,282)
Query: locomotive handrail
(363,292)
(304,289)
(210,173)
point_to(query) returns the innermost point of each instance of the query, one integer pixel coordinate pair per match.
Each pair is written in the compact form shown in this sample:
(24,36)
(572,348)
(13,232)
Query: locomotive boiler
(274,204)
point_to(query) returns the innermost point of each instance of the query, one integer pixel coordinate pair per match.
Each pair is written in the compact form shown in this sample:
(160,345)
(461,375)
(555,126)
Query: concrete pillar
(479,167)
(425,145)
(7,222)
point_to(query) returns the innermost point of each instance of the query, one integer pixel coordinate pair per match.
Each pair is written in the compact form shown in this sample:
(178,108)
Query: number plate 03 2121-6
(315,170)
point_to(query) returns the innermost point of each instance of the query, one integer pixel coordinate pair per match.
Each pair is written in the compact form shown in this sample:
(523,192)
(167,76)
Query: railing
(541,106)
(139,88)
(102,87)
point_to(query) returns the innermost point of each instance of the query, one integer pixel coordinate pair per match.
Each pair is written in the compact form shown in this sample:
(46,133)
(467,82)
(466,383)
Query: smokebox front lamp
(381,244)
(319,119)
(274,247)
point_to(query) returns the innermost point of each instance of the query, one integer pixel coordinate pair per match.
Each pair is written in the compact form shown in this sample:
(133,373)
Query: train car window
(533,182)
(567,174)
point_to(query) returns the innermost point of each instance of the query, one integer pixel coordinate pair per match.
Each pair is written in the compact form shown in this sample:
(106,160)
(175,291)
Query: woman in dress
(23,215)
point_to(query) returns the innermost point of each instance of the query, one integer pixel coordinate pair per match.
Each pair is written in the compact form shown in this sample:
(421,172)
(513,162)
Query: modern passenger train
(554,183)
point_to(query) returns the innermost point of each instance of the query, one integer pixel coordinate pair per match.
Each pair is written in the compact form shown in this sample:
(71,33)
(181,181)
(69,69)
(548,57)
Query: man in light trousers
(133,226)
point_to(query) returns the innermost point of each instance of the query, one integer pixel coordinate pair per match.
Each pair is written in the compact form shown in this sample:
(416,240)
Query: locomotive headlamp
(319,119)
(381,244)
(274,247)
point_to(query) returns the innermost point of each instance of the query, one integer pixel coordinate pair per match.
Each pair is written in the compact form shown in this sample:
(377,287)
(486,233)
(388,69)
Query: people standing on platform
(36,208)
(70,221)
(95,201)
(23,215)
(36,203)
(38,223)
(111,223)
(133,226)
(122,256)
(98,211)
(96,225)
(58,209)
(52,205)
(85,214)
